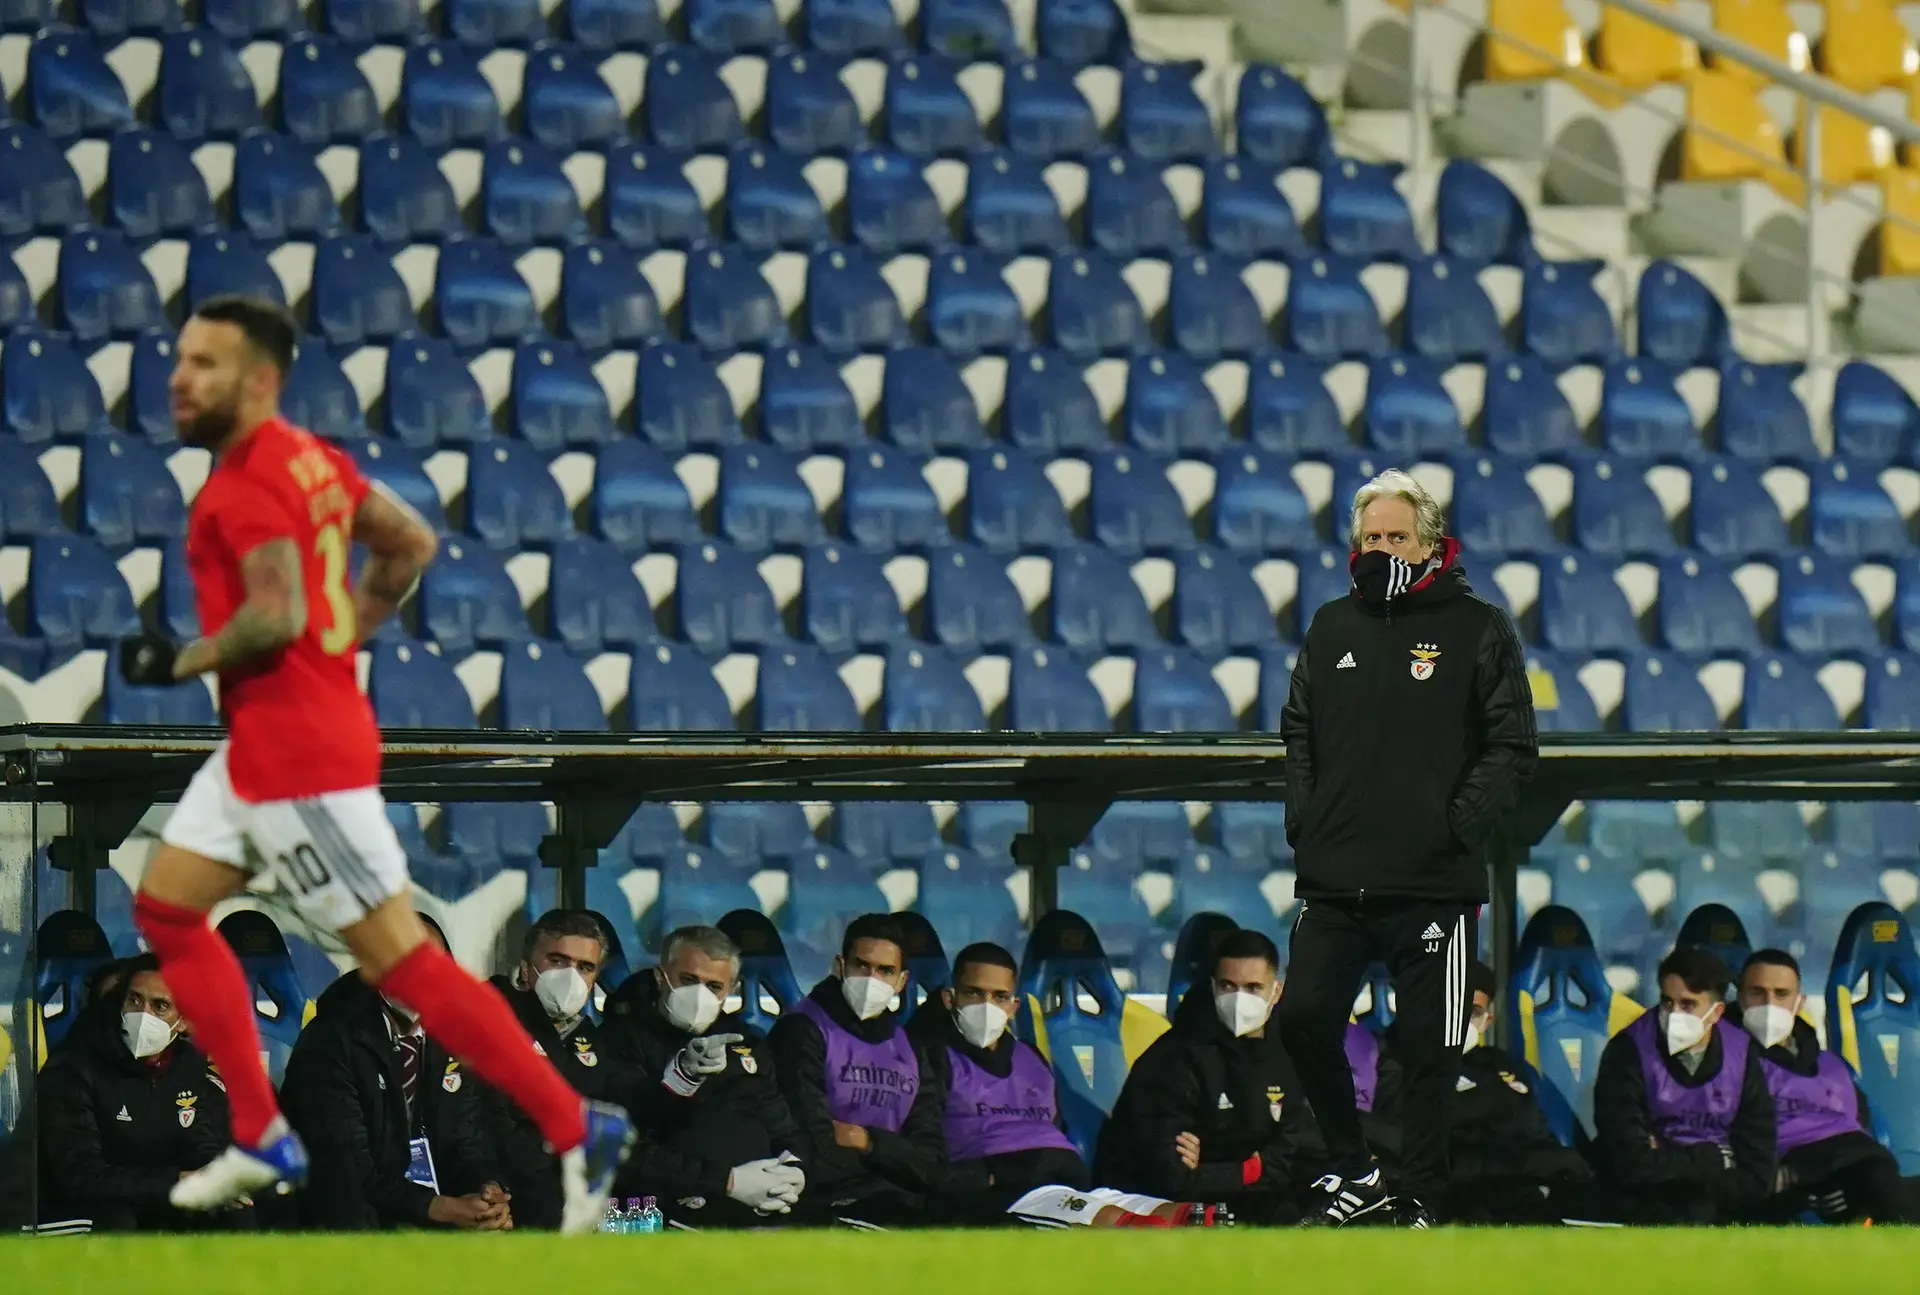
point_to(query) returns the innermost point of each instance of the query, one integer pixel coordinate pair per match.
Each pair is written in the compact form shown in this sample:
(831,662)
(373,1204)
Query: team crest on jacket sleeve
(747,1062)
(451,1080)
(1424,655)
(1276,1095)
(583,1051)
(185,1101)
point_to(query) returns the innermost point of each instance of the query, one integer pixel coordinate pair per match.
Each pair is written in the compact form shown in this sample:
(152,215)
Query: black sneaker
(1410,1213)
(1348,1199)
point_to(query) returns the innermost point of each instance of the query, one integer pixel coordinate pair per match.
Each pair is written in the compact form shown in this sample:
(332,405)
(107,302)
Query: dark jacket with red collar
(1410,731)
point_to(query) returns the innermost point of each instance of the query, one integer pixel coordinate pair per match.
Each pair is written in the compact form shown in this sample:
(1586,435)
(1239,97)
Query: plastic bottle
(651,1220)
(632,1219)
(614,1219)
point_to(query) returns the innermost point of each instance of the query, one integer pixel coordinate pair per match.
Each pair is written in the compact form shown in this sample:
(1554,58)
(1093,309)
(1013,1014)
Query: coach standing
(1409,730)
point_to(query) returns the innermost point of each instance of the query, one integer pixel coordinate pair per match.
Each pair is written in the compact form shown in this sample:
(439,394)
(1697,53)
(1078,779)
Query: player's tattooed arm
(399,546)
(273,614)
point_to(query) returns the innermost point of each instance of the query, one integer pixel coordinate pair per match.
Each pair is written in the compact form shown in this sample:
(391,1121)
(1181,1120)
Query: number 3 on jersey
(340,634)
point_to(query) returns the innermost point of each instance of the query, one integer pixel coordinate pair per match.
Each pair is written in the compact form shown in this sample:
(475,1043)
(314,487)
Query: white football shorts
(335,855)
(1065,1207)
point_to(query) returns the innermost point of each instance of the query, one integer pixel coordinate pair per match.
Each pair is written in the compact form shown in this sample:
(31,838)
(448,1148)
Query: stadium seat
(411,687)
(829,889)
(970,307)
(850,306)
(49,392)
(809,109)
(1211,312)
(724,603)
(1043,113)
(1873,416)
(637,501)
(1171,412)
(689,108)
(758,831)
(432,398)
(105,291)
(525,197)
(971,605)
(925,691)
(1642,414)
(1701,611)
(1363,215)
(763,503)
(849,28)
(544,690)
(805,403)
(1758,834)
(1865,46)
(1681,322)
(566,104)
(766,976)
(672,690)
(112,21)
(510,832)
(1478,218)
(490,23)
(446,102)
(1783,694)
(1563,318)
(76,597)
(1561,702)
(1893,696)
(729,305)
(1091,311)
(1615,512)
(481,299)
(555,403)
(648,199)
(153,188)
(1130,211)
(926,112)
(1868,998)
(846,604)
(1409,413)
(125,703)
(1330,314)
(27,505)
(1761,418)
(1097,609)
(1133,509)
(1289,410)
(204,92)
(594,602)
(370,22)
(1566,1010)
(178,615)
(770,204)
(39,192)
(1217,609)
(733,26)
(513,502)
(279,1003)
(404,196)
(1449,317)
(127,496)
(1525,414)
(1732,136)
(1257,507)
(1206,882)
(1583,610)
(1819,610)
(279,193)
(1010,208)
(1733,514)
(223,262)
(800,692)
(1244,214)
(1849,515)
(1173,692)
(968,30)
(890,207)
(1277,121)
(71,90)
(318,397)
(1162,118)
(1496,512)
(682,403)
(1049,410)
(468,602)
(696,883)
(1049,692)
(358,298)
(324,96)
(966,896)
(1083,31)
(1011,505)
(886,504)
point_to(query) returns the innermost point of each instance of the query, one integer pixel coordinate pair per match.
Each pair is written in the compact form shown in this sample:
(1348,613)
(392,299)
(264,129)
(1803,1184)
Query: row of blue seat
(1757,833)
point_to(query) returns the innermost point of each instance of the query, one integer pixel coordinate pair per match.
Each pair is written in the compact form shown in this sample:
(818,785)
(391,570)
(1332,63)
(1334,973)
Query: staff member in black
(1410,731)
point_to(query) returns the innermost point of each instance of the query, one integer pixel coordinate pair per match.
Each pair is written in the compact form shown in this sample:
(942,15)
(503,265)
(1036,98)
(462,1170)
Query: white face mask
(1682,1031)
(1770,1023)
(868,996)
(563,991)
(1241,1012)
(693,1008)
(1472,1040)
(981,1024)
(146,1034)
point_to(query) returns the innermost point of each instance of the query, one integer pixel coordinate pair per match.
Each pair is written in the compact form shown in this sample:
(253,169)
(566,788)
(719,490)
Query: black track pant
(1428,947)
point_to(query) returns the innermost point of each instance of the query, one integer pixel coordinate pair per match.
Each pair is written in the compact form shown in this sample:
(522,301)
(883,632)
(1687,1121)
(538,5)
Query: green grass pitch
(1791,1261)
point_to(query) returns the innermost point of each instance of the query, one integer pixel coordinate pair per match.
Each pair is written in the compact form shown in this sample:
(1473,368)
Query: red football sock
(1128,1219)
(477,1026)
(211,991)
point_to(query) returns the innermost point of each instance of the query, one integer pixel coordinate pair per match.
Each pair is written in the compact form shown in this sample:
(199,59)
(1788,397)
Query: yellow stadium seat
(1865,46)
(1851,151)
(1635,53)
(1729,134)
(1541,41)
(1765,26)
(1899,233)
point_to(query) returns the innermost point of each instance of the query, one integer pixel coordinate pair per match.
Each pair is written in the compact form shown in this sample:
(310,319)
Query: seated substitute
(549,991)
(391,1121)
(1212,1111)
(870,1118)
(127,1108)
(1683,1120)
(1827,1159)
(716,1138)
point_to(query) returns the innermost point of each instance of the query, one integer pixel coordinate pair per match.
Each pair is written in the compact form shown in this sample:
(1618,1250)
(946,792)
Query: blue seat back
(69,947)
(279,1002)
(928,970)
(1873,1018)
(1193,954)
(765,974)
(1719,930)
(1561,1008)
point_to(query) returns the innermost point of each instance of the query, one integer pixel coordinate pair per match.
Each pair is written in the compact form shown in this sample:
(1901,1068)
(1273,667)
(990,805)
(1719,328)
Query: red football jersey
(297,721)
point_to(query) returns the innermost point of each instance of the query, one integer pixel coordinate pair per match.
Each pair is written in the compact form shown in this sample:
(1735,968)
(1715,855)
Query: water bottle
(651,1220)
(631,1218)
(613,1221)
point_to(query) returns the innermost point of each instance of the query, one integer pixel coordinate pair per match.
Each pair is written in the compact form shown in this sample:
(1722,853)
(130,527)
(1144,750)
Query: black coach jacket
(532,1173)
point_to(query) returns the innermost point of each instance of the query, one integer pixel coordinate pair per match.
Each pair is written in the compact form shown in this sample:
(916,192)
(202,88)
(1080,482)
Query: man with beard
(717,1142)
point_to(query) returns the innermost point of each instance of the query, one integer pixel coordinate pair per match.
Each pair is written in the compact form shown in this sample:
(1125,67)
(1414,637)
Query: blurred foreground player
(268,546)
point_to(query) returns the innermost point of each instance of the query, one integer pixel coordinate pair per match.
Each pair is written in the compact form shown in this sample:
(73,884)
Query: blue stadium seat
(1107,898)
(1564,1008)
(71,91)
(566,104)
(1206,881)
(1893,696)
(1257,507)
(1130,211)
(1761,418)
(1525,414)
(68,948)
(1496,512)
(1161,116)
(1717,929)
(971,604)
(645,839)
(682,403)
(925,691)
(127,496)
(672,690)
(1277,121)
(927,114)
(1290,411)
(510,831)
(445,101)
(76,597)
(229,262)
(695,884)
(178,615)
(846,603)
(1849,515)
(926,406)
(39,192)
(968,30)
(1173,692)
(1210,310)
(1049,410)
(733,26)
(318,396)
(649,201)
(594,602)
(1885,830)
(967,897)
(1583,610)
(1449,317)
(847,28)
(27,504)
(1330,313)
(372,22)
(241,21)
(1561,702)
(1043,114)
(1819,611)
(1136,834)
(481,298)
(1252,834)
(1082,31)
(555,402)
(890,207)
(1097,610)
(729,305)
(358,298)
(805,403)
(544,690)
(1563,318)
(1663,695)
(112,21)
(1733,514)
(1010,208)
(757,832)
(763,503)
(105,291)
(724,603)
(809,109)
(1869,999)
(988,827)
(689,108)
(513,502)
(153,188)
(468,602)
(1642,414)
(279,1003)
(204,91)
(1681,321)
(411,687)
(886,504)
(525,198)
(800,692)
(850,306)
(1783,694)
(125,703)
(1049,692)
(279,193)
(490,23)
(770,203)
(1873,417)
(1615,512)
(1170,409)
(1133,509)
(1409,413)
(324,96)
(601,26)
(1091,310)
(1701,611)
(431,397)
(404,196)
(50,394)
(829,890)
(970,307)
(1325,576)
(1362,214)
(149,369)
(1759,834)
(1479,219)
(1244,214)
(1011,505)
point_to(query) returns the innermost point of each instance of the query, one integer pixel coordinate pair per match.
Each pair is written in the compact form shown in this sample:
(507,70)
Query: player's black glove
(148,659)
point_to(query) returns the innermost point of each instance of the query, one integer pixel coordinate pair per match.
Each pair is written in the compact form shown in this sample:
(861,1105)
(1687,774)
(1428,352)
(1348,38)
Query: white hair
(1429,523)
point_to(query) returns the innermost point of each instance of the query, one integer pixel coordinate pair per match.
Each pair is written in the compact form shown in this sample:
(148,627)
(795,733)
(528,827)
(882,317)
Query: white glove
(766,1186)
(703,1056)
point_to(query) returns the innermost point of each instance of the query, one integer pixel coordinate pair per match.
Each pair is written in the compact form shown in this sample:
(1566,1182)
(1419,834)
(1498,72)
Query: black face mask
(1380,577)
